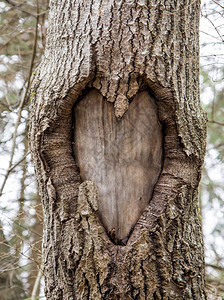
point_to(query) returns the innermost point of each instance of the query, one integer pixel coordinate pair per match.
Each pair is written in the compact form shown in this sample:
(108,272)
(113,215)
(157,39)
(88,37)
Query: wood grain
(123,157)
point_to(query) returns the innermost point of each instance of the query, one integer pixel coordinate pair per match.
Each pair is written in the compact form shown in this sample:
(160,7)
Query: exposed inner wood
(123,157)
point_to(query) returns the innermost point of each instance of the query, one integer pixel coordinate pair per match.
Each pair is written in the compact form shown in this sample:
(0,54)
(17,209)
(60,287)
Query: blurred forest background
(23,26)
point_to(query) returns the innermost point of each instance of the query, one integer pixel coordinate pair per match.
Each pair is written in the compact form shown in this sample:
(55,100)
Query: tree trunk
(115,51)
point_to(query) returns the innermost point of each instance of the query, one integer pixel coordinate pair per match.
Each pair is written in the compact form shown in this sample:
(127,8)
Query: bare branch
(215,267)
(18,7)
(16,164)
(216,2)
(216,122)
(36,284)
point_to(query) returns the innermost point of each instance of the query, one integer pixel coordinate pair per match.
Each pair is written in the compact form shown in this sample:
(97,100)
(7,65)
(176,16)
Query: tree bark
(120,48)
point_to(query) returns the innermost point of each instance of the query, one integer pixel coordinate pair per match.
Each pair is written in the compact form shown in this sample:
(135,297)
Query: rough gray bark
(119,48)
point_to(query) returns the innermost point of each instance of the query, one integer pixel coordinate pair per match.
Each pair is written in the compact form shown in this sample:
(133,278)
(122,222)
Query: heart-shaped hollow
(123,157)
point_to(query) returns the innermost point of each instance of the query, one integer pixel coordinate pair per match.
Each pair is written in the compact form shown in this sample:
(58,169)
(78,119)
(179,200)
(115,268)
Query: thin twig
(13,37)
(18,162)
(215,27)
(18,7)
(218,3)
(216,122)
(215,267)
(19,252)
(36,284)
(210,35)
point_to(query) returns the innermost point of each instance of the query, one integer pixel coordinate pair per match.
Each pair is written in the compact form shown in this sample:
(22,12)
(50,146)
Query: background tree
(212,60)
(22,27)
